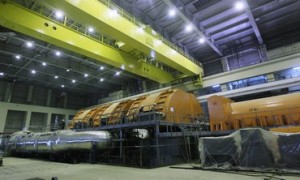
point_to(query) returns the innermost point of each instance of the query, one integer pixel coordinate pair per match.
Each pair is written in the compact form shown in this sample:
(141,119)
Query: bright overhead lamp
(239,5)
(172,12)
(101,67)
(33,71)
(73,81)
(201,40)
(18,56)
(188,28)
(44,64)
(68,70)
(57,53)
(86,75)
(123,66)
(101,79)
(29,44)
(90,29)
(56,77)
(117,73)
(59,14)
(62,86)
(1,73)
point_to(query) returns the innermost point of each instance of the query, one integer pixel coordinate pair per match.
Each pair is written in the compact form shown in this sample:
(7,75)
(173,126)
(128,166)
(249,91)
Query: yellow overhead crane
(97,14)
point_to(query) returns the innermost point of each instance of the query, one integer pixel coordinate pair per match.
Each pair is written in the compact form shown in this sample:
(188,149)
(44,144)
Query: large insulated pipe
(58,141)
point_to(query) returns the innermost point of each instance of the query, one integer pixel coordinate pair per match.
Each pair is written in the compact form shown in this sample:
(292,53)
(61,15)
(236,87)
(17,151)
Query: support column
(49,95)
(160,85)
(144,86)
(29,94)
(27,121)
(3,116)
(7,94)
(224,87)
(65,101)
(225,64)
(48,121)
(270,77)
(263,52)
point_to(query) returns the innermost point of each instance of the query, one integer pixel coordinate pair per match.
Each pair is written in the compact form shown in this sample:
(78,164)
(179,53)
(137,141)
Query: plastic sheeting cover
(252,149)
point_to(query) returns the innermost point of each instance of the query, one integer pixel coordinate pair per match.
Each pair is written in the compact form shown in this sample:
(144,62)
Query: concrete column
(160,85)
(65,101)
(144,86)
(3,115)
(7,94)
(27,121)
(49,95)
(263,52)
(270,77)
(29,94)
(49,119)
(224,87)
(225,64)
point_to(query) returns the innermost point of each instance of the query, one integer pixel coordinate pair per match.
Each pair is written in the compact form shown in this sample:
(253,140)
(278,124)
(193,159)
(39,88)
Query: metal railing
(71,24)
(149,30)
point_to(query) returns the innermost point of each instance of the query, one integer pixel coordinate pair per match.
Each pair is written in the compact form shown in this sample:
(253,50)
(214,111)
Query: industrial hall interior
(150,89)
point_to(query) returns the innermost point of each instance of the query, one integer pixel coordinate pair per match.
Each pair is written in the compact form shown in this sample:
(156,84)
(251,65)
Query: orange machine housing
(265,112)
(172,105)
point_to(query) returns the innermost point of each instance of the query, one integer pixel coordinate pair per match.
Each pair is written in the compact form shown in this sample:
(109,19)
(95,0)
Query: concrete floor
(25,169)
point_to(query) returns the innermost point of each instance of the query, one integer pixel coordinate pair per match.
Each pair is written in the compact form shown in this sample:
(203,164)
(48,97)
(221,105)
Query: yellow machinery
(172,105)
(266,112)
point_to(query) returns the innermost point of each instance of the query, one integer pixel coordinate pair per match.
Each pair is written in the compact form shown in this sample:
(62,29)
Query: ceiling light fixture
(68,70)
(101,67)
(101,79)
(57,53)
(188,28)
(18,57)
(62,86)
(201,40)
(73,81)
(239,5)
(44,64)
(33,71)
(117,73)
(29,44)
(1,74)
(172,12)
(59,14)
(90,29)
(56,77)
(86,75)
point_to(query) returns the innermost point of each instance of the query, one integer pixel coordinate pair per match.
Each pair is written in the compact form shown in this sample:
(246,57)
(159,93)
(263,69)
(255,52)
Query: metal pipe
(58,141)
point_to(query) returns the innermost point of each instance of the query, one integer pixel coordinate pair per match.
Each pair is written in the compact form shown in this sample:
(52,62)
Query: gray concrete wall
(14,116)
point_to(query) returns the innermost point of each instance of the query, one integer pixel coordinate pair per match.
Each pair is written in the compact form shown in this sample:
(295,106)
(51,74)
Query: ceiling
(223,25)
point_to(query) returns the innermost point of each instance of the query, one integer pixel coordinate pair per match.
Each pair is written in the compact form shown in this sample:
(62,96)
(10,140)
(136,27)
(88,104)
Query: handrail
(150,31)
(43,10)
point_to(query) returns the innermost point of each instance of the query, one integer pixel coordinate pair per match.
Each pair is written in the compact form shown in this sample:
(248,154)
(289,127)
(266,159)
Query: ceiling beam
(209,41)
(252,22)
